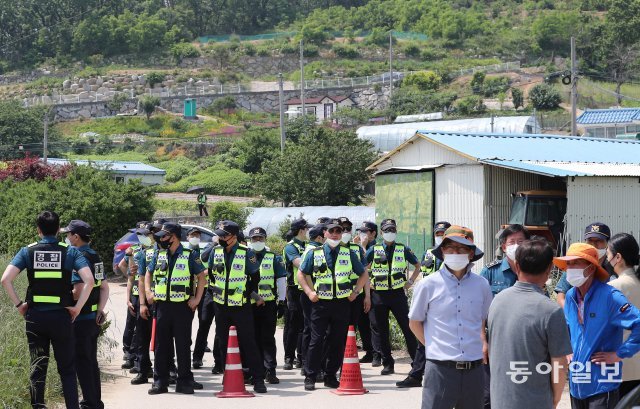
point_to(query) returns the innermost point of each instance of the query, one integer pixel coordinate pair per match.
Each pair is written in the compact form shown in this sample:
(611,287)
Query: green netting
(402,35)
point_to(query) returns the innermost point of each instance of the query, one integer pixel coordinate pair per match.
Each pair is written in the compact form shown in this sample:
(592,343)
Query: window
(598,132)
(119,179)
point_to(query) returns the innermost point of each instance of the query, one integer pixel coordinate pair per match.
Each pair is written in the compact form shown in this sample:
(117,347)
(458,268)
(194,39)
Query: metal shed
(474,175)
(121,171)
(387,137)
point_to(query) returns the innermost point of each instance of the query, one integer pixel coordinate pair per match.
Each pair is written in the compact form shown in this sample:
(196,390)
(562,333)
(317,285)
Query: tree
(223,104)
(226,210)
(181,51)
(517,97)
(622,64)
(148,104)
(325,167)
(471,105)
(544,96)
(254,149)
(423,81)
(22,127)
(477,82)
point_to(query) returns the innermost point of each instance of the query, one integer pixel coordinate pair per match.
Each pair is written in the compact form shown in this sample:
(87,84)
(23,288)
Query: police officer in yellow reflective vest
(92,315)
(294,319)
(325,276)
(48,309)
(429,264)
(388,263)
(172,293)
(233,272)
(272,289)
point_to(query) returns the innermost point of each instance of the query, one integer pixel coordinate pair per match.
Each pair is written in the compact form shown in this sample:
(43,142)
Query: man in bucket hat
(596,314)
(448,315)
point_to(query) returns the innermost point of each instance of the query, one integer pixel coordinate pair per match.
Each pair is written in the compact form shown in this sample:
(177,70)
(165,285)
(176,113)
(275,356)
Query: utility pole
(281,98)
(45,144)
(492,123)
(574,88)
(390,58)
(302,78)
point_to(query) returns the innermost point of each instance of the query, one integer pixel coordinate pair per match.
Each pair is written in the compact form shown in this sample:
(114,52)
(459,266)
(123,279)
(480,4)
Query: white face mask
(456,262)
(307,235)
(511,251)
(575,276)
(332,243)
(363,236)
(194,241)
(438,240)
(602,253)
(389,237)
(346,237)
(144,240)
(66,240)
(257,245)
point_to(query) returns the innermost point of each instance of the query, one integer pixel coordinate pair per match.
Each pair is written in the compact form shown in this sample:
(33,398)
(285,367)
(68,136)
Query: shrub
(544,96)
(424,81)
(148,104)
(477,82)
(181,51)
(310,50)
(249,49)
(154,78)
(345,51)
(495,85)
(288,48)
(227,210)
(518,98)
(471,105)
(218,179)
(412,50)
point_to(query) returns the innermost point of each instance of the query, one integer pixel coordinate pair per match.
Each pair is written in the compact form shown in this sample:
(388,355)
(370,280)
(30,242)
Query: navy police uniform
(49,266)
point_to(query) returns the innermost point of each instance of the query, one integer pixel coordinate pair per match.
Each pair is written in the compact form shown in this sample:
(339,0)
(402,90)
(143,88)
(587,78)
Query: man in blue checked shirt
(596,314)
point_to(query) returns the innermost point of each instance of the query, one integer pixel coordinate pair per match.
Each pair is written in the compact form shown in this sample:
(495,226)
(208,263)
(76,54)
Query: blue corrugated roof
(114,166)
(609,116)
(545,148)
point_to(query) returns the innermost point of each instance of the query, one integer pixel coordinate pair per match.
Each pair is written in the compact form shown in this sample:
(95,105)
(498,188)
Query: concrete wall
(365,98)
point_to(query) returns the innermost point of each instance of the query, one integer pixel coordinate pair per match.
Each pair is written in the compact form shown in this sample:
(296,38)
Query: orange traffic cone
(351,378)
(233,381)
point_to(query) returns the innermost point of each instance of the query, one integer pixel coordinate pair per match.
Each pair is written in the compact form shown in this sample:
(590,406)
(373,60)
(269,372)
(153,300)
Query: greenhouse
(388,137)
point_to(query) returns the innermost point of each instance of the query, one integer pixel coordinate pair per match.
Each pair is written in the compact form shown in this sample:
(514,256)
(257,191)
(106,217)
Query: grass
(174,205)
(131,156)
(600,94)
(14,354)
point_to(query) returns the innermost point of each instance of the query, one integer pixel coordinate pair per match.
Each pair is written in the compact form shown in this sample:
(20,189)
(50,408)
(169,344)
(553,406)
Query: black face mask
(223,243)
(164,244)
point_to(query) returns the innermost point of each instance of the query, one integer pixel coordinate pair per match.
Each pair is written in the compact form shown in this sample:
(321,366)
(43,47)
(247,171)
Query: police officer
(233,271)
(48,308)
(362,304)
(172,293)
(129,338)
(429,265)
(367,238)
(325,276)
(388,263)
(316,239)
(501,274)
(142,258)
(293,324)
(272,289)
(91,317)
(206,313)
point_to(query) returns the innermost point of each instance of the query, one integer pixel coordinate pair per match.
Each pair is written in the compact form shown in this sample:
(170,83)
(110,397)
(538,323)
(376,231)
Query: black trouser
(306,304)
(332,315)
(45,329)
(242,318)
(364,327)
(293,325)
(626,387)
(206,314)
(357,310)
(607,400)
(203,209)
(87,363)
(419,361)
(143,336)
(265,319)
(129,338)
(173,322)
(487,387)
(394,301)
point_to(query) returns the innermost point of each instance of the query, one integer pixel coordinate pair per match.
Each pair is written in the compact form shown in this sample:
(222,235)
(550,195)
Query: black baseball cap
(597,230)
(143,228)
(169,228)
(386,223)
(156,225)
(371,226)
(317,230)
(299,224)
(323,220)
(227,227)
(333,223)
(441,227)
(257,232)
(344,221)
(77,227)
(193,230)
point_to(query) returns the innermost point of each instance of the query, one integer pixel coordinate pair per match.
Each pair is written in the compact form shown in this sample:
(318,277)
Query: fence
(402,35)
(207,89)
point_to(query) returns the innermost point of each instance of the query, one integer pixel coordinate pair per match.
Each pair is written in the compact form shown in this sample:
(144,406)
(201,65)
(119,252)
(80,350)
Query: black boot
(377,360)
(367,358)
(271,377)
(139,379)
(288,364)
(409,382)
(388,370)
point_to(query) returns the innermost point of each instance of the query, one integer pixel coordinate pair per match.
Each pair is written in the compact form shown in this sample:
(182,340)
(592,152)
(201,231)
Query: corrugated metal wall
(459,198)
(499,184)
(610,200)
(422,152)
